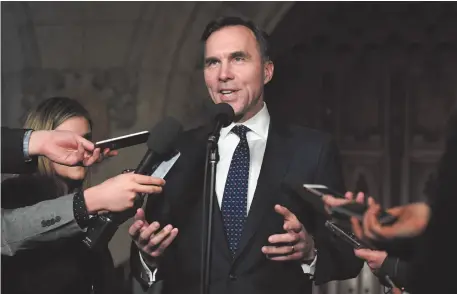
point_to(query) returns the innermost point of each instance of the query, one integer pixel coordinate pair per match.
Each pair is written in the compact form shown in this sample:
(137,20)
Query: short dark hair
(228,21)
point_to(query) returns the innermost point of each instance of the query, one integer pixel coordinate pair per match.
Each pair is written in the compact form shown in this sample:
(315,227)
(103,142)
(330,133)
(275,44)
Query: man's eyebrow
(239,54)
(235,54)
(210,59)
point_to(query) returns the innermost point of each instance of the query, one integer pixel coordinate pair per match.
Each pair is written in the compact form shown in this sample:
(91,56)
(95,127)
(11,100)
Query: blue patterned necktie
(234,201)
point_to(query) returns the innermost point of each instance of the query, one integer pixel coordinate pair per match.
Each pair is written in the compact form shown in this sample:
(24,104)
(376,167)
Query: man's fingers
(371,201)
(148,189)
(395,211)
(294,226)
(109,153)
(349,195)
(360,197)
(283,253)
(357,228)
(371,222)
(283,238)
(134,229)
(165,243)
(363,253)
(295,256)
(148,180)
(80,154)
(93,158)
(112,153)
(273,250)
(139,215)
(332,201)
(159,237)
(87,145)
(148,232)
(286,213)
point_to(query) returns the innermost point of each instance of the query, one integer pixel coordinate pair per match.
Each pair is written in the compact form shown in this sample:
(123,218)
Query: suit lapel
(277,157)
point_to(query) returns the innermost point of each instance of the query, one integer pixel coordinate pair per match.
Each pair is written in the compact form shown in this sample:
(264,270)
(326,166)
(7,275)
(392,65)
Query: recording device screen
(350,209)
(123,141)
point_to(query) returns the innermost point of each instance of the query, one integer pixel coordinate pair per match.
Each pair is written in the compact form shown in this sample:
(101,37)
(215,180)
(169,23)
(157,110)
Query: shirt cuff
(311,268)
(151,274)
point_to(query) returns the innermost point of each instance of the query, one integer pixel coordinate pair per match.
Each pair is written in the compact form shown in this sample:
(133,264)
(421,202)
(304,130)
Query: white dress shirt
(259,125)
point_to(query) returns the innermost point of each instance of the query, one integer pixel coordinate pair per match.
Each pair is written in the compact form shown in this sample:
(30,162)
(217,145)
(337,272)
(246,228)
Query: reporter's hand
(374,258)
(299,242)
(331,201)
(151,241)
(119,193)
(63,147)
(107,153)
(412,219)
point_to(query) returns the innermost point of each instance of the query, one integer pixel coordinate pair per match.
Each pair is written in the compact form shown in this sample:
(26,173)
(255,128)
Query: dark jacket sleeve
(397,270)
(335,258)
(12,153)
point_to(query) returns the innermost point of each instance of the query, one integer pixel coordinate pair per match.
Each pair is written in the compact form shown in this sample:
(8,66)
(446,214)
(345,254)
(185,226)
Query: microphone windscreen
(223,112)
(163,135)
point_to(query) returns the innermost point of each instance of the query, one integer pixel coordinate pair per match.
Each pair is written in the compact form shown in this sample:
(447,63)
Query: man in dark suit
(265,239)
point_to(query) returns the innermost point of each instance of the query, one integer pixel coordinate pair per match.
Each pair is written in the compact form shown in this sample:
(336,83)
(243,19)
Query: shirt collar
(259,124)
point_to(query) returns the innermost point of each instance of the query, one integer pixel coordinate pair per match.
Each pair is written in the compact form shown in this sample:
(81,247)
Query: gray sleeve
(26,227)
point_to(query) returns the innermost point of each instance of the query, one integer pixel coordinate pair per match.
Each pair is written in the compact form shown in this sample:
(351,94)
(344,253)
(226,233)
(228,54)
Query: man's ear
(268,69)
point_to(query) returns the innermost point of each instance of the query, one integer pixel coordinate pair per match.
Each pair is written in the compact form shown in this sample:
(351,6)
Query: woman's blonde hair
(48,115)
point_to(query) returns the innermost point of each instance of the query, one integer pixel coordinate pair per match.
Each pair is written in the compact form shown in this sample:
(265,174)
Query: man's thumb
(140,215)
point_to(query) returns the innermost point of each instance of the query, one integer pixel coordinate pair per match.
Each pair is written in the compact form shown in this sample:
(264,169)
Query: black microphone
(161,146)
(222,115)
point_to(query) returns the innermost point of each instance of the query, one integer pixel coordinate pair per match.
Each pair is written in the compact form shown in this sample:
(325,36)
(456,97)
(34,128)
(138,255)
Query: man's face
(234,70)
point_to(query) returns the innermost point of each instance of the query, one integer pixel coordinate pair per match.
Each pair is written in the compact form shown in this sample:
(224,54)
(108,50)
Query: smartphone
(346,236)
(123,141)
(350,209)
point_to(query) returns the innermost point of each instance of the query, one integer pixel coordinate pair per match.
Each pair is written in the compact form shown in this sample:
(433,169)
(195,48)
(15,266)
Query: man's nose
(225,73)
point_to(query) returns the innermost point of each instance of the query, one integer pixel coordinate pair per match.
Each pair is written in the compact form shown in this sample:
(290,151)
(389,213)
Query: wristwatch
(25,145)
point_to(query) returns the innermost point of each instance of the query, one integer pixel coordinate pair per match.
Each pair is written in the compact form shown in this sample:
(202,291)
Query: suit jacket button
(52,221)
(43,223)
(58,219)
(232,277)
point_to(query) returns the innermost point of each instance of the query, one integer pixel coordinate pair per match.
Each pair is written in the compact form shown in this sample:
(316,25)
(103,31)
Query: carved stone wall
(381,77)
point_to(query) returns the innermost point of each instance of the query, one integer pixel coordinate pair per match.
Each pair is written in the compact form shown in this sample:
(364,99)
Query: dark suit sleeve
(397,270)
(335,258)
(12,153)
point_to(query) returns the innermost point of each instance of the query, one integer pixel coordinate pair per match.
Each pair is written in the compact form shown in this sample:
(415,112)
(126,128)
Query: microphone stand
(212,157)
